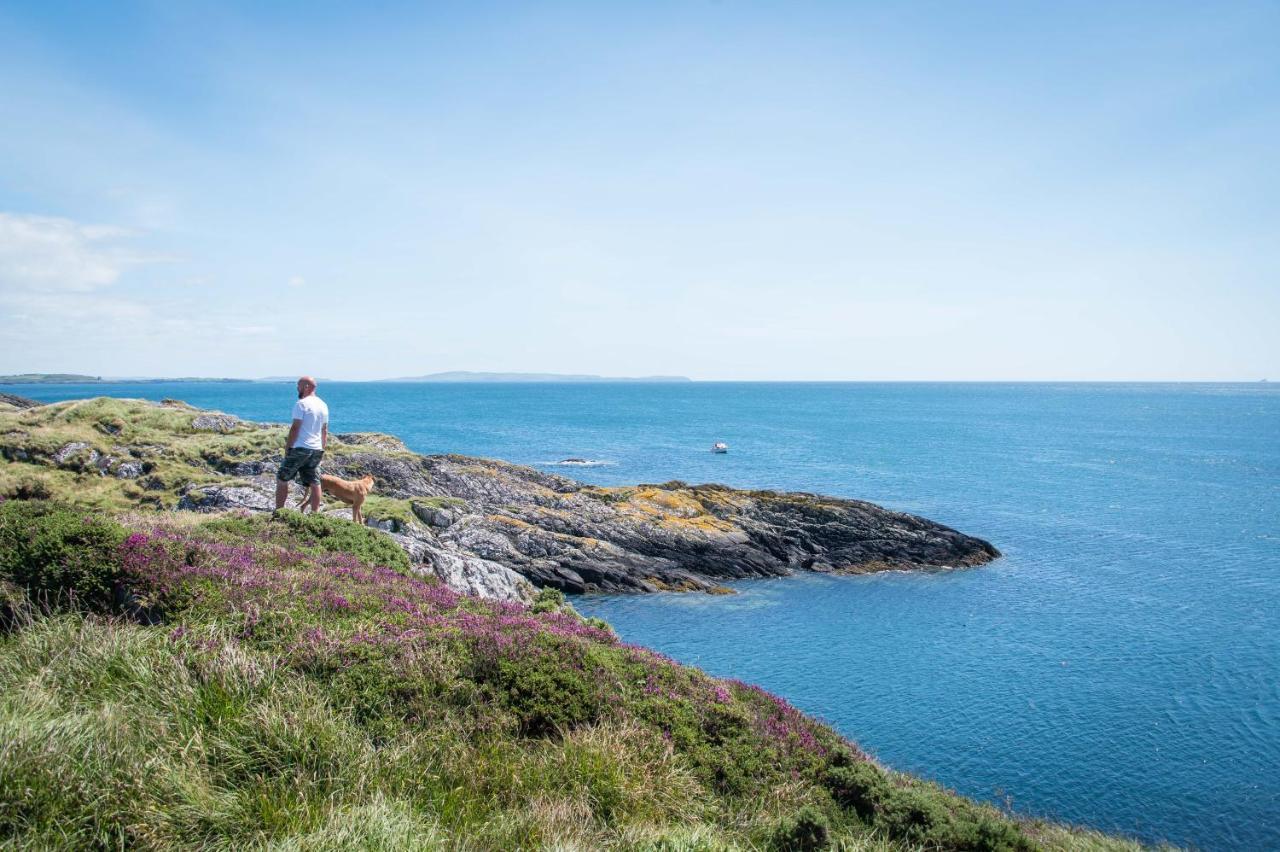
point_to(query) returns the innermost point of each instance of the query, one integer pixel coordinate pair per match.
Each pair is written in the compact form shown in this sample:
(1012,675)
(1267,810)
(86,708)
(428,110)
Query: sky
(720,190)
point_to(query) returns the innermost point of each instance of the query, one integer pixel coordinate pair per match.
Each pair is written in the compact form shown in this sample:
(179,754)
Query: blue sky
(714,189)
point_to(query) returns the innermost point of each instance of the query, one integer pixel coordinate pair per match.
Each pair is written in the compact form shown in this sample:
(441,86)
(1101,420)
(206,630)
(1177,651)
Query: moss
(379,508)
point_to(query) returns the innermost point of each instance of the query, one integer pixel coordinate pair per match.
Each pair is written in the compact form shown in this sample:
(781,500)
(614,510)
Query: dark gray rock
(16,401)
(215,498)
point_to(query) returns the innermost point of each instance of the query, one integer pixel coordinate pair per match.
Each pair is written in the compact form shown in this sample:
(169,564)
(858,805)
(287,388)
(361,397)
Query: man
(304,448)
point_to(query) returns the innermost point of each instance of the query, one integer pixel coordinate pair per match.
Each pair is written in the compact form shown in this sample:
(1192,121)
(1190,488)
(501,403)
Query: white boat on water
(719,447)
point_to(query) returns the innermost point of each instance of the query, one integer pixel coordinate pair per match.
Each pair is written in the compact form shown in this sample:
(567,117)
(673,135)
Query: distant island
(49,379)
(76,379)
(467,376)
(457,376)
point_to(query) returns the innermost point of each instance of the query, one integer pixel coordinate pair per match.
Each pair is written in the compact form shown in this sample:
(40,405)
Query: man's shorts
(302,463)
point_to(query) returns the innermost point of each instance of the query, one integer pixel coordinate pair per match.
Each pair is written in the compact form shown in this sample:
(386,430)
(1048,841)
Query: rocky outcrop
(12,400)
(489,527)
(214,422)
(580,538)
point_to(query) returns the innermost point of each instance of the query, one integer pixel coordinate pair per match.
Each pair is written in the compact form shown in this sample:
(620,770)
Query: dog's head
(366,481)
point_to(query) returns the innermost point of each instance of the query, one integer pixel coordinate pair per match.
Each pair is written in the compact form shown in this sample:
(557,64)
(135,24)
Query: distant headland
(77,379)
(456,376)
(467,376)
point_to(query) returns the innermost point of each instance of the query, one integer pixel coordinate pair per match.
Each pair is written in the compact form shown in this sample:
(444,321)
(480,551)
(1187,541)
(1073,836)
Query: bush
(60,555)
(933,819)
(598,623)
(805,831)
(921,816)
(860,786)
(314,533)
(548,600)
(546,690)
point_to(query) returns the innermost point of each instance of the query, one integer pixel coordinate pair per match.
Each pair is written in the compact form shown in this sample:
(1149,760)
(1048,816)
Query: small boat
(719,447)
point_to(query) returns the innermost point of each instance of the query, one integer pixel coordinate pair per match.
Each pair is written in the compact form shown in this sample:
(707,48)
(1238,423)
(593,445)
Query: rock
(213,498)
(377,440)
(213,422)
(14,401)
(129,470)
(76,455)
(473,575)
(436,516)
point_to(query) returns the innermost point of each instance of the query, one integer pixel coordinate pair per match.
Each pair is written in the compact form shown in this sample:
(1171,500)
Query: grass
(160,439)
(260,684)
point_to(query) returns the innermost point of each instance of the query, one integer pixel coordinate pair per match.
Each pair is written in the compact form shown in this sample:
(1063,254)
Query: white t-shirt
(314,415)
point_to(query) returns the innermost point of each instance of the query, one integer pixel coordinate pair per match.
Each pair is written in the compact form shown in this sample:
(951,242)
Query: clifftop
(483,526)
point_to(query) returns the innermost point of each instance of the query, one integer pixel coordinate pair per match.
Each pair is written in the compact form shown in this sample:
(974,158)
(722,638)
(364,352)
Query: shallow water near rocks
(1119,666)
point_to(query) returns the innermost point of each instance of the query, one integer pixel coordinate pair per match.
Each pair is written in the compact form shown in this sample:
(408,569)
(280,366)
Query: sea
(1118,667)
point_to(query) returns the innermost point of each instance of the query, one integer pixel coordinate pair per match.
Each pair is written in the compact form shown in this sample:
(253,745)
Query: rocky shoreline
(485,527)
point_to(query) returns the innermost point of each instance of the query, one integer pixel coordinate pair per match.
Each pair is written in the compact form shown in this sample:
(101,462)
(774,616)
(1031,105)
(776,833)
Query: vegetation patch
(311,534)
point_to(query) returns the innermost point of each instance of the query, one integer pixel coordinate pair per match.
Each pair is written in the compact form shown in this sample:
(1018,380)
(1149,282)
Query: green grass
(294,694)
(379,508)
(161,438)
(310,534)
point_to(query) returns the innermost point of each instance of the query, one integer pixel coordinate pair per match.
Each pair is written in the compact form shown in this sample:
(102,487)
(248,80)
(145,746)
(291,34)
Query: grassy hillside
(240,682)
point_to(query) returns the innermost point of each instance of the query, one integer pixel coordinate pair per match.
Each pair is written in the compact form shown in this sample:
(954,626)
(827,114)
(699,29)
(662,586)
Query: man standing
(304,448)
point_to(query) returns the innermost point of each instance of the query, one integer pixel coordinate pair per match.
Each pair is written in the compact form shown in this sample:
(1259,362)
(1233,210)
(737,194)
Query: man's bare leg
(314,502)
(282,493)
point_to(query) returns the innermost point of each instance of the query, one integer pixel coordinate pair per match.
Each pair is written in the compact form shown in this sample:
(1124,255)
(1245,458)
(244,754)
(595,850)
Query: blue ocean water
(1119,667)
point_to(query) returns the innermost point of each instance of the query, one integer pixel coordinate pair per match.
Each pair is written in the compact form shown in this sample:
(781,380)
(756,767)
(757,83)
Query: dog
(350,491)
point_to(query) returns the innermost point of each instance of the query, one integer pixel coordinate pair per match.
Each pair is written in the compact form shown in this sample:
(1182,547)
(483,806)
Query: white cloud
(296,281)
(50,254)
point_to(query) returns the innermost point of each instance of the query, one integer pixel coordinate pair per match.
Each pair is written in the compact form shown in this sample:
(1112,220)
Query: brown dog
(350,491)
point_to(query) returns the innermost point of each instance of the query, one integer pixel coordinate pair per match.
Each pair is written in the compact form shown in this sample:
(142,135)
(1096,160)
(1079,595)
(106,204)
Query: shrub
(598,624)
(921,816)
(548,600)
(930,818)
(59,554)
(542,685)
(860,786)
(804,831)
(314,533)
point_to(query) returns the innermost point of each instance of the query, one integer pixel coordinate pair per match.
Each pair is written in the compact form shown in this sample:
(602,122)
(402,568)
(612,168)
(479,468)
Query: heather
(241,682)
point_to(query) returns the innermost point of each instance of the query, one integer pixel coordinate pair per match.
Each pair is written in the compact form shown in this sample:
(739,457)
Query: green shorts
(302,463)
